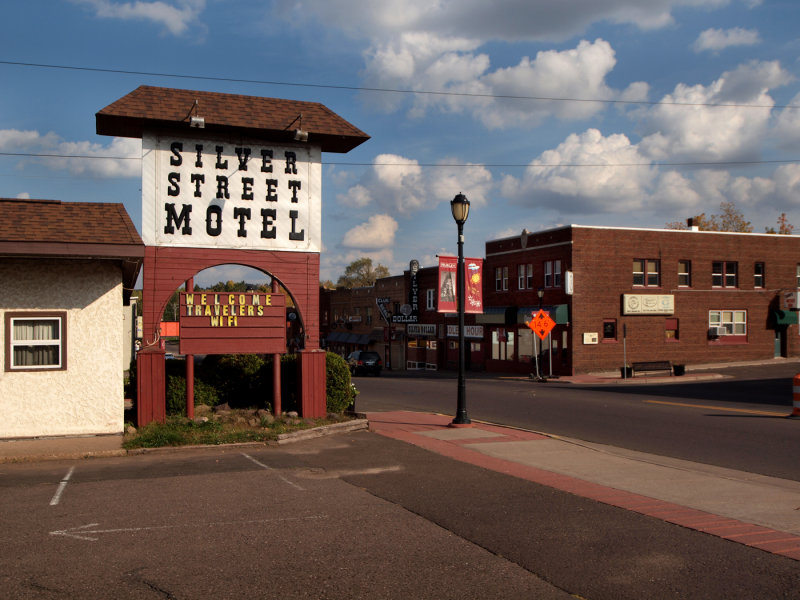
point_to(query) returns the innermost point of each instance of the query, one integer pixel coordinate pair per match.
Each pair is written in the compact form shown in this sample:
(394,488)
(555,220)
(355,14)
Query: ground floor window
(35,341)
(671,330)
(610,330)
(728,322)
(502,344)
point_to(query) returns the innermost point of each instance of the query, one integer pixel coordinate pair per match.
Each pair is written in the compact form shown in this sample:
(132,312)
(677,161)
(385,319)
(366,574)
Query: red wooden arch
(166,269)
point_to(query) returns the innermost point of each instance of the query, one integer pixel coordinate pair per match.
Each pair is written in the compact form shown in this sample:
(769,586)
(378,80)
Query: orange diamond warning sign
(541,323)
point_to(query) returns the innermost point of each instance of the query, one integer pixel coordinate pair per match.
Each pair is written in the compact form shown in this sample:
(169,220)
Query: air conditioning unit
(715,332)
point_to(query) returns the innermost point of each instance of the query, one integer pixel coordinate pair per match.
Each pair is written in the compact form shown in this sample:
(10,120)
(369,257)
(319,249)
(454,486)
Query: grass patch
(180,431)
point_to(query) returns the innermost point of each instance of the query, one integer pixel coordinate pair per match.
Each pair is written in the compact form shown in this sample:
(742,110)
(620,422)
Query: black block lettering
(268,216)
(174,188)
(220,164)
(214,212)
(272,195)
(247,188)
(176,160)
(243,214)
(222,187)
(199,162)
(296,236)
(266,161)
(294,186)
(173,217)
(197,179)
(291,163)
(244,155)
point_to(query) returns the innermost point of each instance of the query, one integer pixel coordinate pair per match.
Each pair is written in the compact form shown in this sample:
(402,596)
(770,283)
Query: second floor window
(685,273)
(646,272)
(552,273)
(724,274)
(430,299)
(521,277)
(758,275)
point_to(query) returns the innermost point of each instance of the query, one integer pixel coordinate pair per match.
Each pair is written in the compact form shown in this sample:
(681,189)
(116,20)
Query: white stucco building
(66,275)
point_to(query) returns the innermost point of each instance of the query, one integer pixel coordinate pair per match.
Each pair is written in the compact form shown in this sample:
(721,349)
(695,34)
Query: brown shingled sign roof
(54,229)
(156,109)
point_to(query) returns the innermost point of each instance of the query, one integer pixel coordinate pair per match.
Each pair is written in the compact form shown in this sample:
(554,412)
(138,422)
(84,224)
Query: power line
(396,90)
(725,163)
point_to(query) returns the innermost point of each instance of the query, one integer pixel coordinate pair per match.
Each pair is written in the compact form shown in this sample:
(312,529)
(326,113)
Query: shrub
(339,391)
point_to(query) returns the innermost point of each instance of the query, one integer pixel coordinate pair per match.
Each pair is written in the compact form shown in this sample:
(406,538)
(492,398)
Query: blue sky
(591,112)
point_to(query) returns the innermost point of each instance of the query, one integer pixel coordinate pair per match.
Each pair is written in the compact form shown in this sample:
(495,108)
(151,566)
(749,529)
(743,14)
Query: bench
(654,365)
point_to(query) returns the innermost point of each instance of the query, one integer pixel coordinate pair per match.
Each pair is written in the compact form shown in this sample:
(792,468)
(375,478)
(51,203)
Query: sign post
(542,325)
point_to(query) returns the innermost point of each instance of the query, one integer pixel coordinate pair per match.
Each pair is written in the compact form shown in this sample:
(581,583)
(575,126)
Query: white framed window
(498,279)
(552,273)
(556,273)
(36,341)
(529,276)
(724,274)
(758,275)
(646,272)
(430,296)
(685,273)
(520,277)
(729,322)
(502,344)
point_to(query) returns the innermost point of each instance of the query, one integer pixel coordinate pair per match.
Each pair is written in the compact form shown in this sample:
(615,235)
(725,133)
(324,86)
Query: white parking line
(268,468)
(61,487)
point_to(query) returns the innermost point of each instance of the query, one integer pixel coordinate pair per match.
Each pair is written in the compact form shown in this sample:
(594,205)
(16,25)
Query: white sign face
(790,300)
(470,331)
(648,304)
(241,194)
(421,329)
(590,338)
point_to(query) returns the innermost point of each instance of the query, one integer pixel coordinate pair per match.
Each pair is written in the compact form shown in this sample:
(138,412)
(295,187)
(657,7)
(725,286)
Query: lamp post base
(455,425)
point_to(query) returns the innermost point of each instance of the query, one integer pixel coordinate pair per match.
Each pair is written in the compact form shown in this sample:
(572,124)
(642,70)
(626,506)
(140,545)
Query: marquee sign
(205,193)
(228,323)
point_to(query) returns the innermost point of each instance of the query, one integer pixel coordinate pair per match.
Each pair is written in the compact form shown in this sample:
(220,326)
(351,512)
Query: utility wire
(394,90)
(727,163)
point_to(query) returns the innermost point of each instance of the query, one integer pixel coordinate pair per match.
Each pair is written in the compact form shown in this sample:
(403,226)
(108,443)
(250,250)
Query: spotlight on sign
(197,122)
(300,135)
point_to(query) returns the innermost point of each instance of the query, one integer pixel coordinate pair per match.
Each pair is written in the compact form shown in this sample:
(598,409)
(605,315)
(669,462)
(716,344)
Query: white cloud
(127,153)
(607,181)
(177,16)
(715,40)
(507,20)
(500,98)
(401,186)
(685,127)
(787,125)
(377,232)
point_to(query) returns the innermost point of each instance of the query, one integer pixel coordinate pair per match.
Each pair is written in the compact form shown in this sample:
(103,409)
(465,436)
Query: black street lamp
(459,206)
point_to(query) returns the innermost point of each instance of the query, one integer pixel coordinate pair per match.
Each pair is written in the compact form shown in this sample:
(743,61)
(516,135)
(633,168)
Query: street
(737,421)
(356,515)
(362,515)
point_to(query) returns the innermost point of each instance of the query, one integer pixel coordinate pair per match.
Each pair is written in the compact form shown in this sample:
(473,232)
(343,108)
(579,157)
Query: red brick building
(412,334)
(688,297)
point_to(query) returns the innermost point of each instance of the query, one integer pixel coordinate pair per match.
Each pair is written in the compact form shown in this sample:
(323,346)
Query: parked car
(364,362)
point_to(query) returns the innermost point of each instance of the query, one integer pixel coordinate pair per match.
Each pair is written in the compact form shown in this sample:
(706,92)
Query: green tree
(360,273)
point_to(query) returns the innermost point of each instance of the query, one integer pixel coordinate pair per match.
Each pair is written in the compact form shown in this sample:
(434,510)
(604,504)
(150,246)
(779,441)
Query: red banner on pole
(473,285)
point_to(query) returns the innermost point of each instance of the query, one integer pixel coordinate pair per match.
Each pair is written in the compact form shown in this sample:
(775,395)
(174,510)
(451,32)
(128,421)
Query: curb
(283,438)
(316,432)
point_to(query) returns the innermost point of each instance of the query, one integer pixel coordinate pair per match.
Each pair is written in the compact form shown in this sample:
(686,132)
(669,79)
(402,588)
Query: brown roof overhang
(167,110)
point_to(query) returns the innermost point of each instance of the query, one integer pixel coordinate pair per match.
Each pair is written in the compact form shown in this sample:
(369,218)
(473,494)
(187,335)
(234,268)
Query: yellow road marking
(739,410)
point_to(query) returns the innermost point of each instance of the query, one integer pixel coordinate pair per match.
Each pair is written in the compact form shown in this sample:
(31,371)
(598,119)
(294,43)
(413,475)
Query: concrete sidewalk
(754,510)
(60,448)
